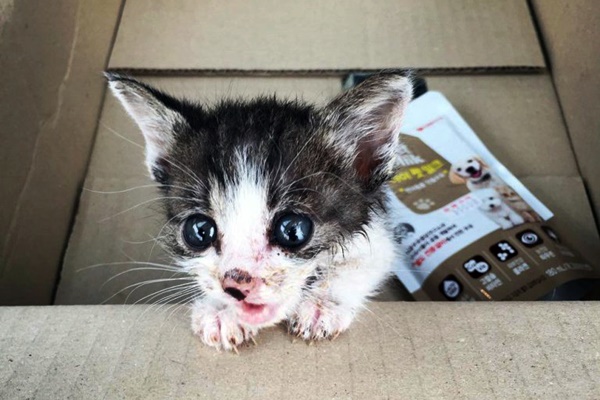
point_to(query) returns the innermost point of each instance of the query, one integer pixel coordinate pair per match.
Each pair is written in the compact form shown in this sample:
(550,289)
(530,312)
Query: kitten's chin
(258,314)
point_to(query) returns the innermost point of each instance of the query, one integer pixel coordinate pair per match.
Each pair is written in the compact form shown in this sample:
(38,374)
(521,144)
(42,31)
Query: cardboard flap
(396,351)
(576,74)
(51,55)
(314,35)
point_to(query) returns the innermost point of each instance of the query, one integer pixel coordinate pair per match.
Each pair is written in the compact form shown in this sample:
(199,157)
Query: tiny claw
(311,342)
(235,349)
(293,340)
(336,335)
(253,340)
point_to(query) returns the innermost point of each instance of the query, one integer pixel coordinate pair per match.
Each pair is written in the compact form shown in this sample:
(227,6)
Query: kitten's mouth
(251,308)
(257,314)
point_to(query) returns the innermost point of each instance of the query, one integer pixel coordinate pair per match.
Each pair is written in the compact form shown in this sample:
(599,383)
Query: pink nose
(238,283)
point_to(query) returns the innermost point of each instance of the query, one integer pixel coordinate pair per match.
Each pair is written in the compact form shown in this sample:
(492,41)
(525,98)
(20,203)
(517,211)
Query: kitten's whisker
(190,174)
(279,164)
(302,205)
(179,306)
(160,292)
(143,203)
(301,179)
(182,299)
(152,264)
(114,132)
(299,153)
(379,319)
(175,298)
(330,174)
(142,269)
(151,307)
(162,302)
(162,296)
(140,284)
(162,228)
(175,309)
(136,188)
(152,239)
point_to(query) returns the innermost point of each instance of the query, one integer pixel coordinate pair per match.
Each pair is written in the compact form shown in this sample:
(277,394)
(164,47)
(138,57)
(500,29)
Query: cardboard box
(51,59)
(400,350)
(312,35)
(484,56)
(571,31)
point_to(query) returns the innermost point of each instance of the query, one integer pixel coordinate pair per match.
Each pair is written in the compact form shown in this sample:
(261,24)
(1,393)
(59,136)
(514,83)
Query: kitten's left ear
(155,113)
(364,123)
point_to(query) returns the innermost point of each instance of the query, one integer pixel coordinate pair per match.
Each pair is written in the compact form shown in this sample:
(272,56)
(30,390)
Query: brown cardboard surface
(51,56)
(274,35)
(571,31)
(515,115)
(396,351)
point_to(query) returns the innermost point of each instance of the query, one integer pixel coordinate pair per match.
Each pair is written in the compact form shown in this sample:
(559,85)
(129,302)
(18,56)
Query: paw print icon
(423,204)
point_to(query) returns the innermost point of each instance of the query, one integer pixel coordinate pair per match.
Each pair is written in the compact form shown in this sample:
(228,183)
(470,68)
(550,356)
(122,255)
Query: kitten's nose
(238,283)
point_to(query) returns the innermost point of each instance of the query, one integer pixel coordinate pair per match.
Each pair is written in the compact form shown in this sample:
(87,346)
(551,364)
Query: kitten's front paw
(314,321)
(220,328)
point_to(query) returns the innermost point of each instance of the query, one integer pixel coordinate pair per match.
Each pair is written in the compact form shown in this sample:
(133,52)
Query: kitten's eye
(199,231)
(292,230)
(459,169)
(469,161)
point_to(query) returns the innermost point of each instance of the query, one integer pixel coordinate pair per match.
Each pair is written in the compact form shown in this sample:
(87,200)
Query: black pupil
(293,230)
(199,232)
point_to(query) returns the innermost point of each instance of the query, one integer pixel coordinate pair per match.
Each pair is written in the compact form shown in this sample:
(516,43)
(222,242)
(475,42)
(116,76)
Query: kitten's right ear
(157,121)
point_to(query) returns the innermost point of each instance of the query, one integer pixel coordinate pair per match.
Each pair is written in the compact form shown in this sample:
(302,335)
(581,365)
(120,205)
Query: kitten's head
(260,194)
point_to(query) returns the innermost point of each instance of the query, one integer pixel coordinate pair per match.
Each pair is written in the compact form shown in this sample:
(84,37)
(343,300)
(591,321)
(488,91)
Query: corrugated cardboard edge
(41,222)
(506,70)
(396,351)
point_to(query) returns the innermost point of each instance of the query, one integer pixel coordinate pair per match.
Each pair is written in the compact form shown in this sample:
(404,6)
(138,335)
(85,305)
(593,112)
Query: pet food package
(468,228)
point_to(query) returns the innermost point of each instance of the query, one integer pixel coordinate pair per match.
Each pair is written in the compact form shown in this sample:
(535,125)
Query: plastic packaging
(469,229)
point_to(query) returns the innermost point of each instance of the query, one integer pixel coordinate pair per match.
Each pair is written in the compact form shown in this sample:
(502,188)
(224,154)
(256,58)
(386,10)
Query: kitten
(277,208)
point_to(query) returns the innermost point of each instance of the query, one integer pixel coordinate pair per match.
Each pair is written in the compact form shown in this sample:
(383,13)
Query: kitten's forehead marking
(241,209)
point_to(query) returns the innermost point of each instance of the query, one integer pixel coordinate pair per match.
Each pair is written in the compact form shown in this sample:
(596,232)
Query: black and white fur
(243,163)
